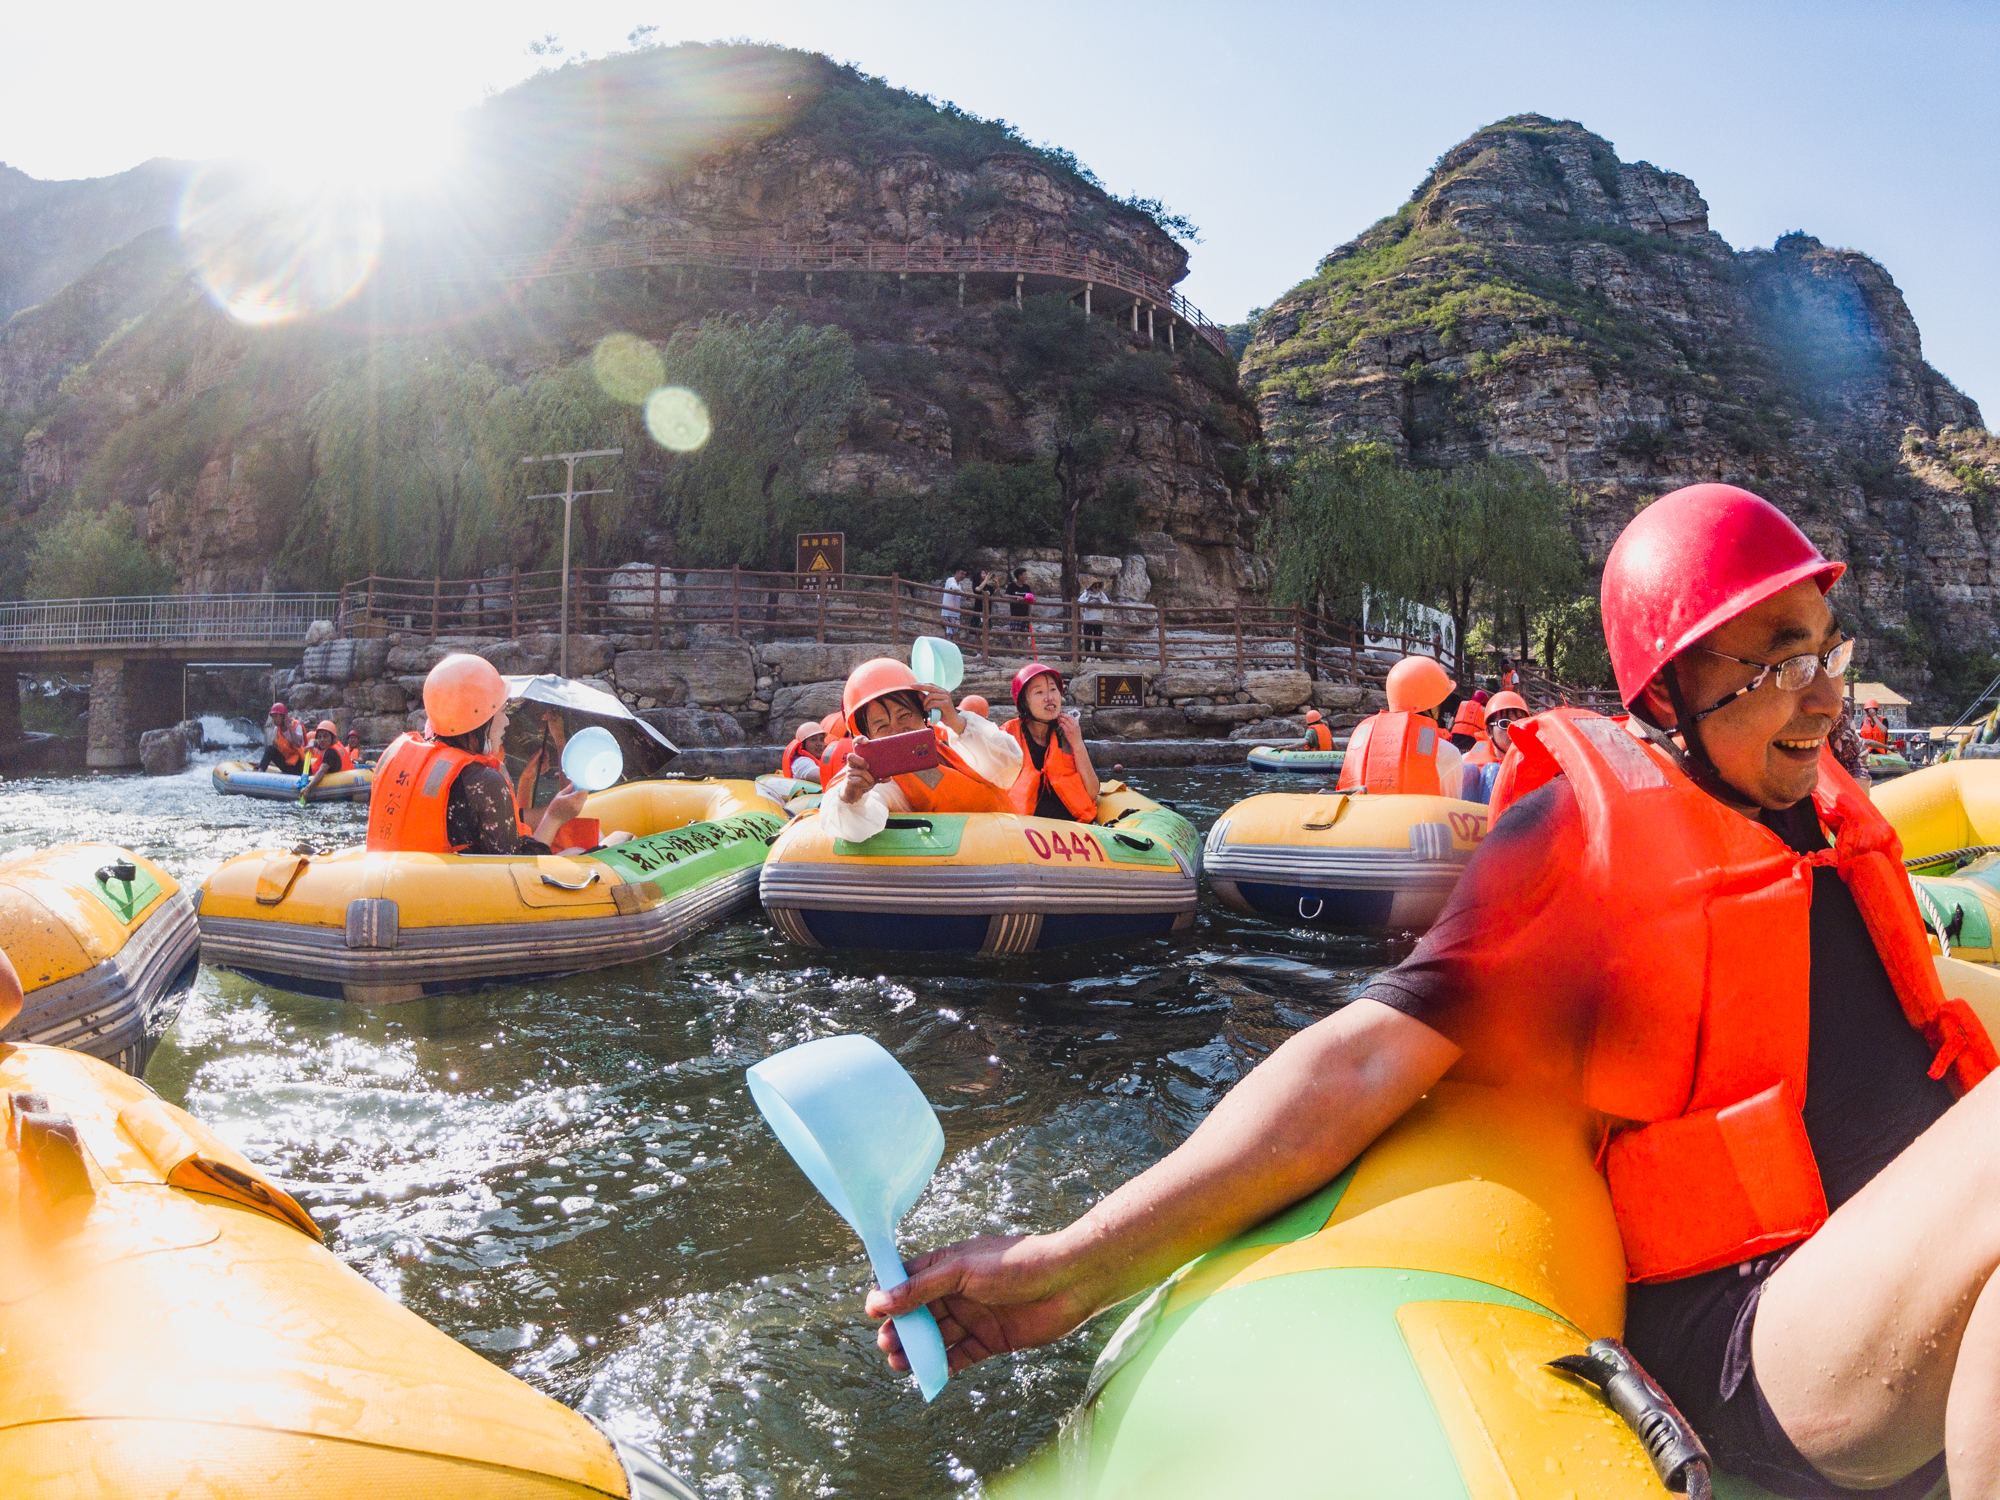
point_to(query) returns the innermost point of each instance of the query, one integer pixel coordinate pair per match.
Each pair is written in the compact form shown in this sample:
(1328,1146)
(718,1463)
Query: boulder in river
(163,752)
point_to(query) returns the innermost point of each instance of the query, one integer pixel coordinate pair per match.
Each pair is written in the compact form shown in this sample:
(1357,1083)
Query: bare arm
(1286,1130)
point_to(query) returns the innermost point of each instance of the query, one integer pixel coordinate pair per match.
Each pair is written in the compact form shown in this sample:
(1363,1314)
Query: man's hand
(859,778)
(990,1295)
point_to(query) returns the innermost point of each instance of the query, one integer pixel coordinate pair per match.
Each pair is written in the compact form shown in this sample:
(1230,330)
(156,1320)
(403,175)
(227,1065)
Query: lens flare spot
(267,251)
(627,367)
(677,418)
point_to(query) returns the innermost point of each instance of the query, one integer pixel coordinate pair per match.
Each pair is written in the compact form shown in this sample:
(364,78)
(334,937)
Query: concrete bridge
(138,648)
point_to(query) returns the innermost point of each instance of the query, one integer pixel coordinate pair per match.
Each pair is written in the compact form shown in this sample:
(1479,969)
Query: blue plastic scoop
(862,1131)
(592,759)
(937,661)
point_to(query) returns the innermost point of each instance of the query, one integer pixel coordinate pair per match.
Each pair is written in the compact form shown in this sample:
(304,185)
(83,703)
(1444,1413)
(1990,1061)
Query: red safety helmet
(1027,675)
(876,678)
(1688,563)
(278,708)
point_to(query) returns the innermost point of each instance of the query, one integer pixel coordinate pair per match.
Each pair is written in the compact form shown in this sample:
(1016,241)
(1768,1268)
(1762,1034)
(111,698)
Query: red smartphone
(897,754)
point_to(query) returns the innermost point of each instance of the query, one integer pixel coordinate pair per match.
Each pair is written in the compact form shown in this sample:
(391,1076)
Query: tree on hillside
(1080,365)
(779,395)
(94,553)
(409,469)
(1491,534)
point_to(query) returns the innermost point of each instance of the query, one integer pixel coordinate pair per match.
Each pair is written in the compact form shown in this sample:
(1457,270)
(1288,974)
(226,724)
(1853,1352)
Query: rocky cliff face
(129,355)
(1538,297)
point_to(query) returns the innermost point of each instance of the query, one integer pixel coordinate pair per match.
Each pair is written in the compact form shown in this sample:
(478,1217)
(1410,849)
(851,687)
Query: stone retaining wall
(710,688)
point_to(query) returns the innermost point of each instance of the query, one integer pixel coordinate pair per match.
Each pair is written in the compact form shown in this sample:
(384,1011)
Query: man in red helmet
(1694,924)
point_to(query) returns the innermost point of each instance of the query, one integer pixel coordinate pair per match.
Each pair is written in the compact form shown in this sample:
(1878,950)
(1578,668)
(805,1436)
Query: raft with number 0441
(381,927)
(173,1326)
(1345,860)
(987,882)
(1392,1333)
(105,944)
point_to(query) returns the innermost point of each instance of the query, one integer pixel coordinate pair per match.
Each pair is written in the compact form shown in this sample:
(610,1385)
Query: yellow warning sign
(822,559)
(1120,692)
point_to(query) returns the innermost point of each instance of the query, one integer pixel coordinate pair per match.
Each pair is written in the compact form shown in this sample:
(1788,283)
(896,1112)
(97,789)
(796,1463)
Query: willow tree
(409,468)
(1490,535)
(778,396)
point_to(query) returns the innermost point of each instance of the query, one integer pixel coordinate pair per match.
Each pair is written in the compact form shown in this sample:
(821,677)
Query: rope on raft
(1970,850)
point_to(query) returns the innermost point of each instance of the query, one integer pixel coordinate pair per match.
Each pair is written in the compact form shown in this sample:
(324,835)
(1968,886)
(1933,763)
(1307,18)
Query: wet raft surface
(570,1176)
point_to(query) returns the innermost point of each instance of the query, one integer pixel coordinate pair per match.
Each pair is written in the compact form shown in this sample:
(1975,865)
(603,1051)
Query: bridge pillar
(128,696)
(10,706)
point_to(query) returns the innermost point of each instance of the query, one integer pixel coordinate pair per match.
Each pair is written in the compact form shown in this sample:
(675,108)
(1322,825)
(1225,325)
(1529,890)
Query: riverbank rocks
(721,690)
(723,675)
(164,752)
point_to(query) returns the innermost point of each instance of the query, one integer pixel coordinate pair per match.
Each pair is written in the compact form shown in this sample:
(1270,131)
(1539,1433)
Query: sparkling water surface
(570,1177)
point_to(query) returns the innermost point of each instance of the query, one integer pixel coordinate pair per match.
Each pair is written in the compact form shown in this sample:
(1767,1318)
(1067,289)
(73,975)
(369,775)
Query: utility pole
(569,494)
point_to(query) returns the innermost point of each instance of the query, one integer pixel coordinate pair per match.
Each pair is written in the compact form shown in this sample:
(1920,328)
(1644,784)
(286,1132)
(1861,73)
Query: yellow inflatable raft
(1948,817)
(381,928)
(1343,860)
(172,1326)
(987,882)
(106,945)
(1390,1334)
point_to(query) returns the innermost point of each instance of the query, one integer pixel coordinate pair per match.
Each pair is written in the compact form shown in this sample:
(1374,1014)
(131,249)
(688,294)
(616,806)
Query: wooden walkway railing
(661,607)
(1090,269)
(162,620)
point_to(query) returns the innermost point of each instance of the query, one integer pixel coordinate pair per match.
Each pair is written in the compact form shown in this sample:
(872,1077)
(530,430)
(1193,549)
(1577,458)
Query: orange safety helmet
(1872,703)
(832,724)
(1418,684)
(1692,561)
(972,703)
(1312,716)
(874,679)
(1501,703)
(808,729)
(329,726)
(462,693)
(1471,719)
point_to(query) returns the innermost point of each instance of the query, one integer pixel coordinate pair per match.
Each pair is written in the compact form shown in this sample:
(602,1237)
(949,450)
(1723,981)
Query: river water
(570,1176)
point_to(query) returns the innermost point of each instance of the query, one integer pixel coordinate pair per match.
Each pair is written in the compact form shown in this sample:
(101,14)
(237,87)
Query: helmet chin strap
(1694,758)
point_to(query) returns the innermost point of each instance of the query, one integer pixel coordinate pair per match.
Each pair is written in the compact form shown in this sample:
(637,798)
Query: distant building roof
(1881,692)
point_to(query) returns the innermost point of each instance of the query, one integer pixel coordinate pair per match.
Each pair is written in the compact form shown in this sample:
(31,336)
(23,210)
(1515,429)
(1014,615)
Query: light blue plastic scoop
(592,759)
(862,1131)
(937,661)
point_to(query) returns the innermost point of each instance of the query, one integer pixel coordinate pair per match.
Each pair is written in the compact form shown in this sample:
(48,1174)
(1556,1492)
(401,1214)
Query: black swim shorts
(1693,1336)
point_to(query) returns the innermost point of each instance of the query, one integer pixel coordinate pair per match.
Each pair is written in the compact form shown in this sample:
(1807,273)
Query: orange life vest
(1875,733)
(288,750)
(960,789)
(1392,753)
(1320,735)
(338,756)
(412,785)
(792,752)
(1483,753)
(1699,1038)
(1058,769)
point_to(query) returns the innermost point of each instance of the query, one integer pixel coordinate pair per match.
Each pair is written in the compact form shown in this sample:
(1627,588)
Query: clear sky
(1280,128)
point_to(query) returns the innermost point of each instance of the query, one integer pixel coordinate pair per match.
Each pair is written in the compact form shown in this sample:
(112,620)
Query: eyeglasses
(1794,674)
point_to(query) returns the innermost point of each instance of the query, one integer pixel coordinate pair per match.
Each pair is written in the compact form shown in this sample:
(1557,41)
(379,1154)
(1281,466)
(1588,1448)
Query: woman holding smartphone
(897,761)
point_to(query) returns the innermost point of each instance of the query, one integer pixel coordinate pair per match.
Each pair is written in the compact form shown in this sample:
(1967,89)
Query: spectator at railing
(1020,600)
(1093,599)
(956,588)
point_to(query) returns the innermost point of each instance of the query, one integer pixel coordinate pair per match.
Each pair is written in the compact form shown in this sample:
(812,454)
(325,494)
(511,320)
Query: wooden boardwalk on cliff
(1152,301)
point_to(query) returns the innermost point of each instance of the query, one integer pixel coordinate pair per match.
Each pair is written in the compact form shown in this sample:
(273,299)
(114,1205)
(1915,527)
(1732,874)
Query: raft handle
(1678,1456)
(923,823)
(1319,906)
(570,885)
(124,872)
(1142,844)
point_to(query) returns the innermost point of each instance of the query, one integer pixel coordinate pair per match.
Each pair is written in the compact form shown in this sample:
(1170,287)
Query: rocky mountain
(129,383)
(1538,297)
